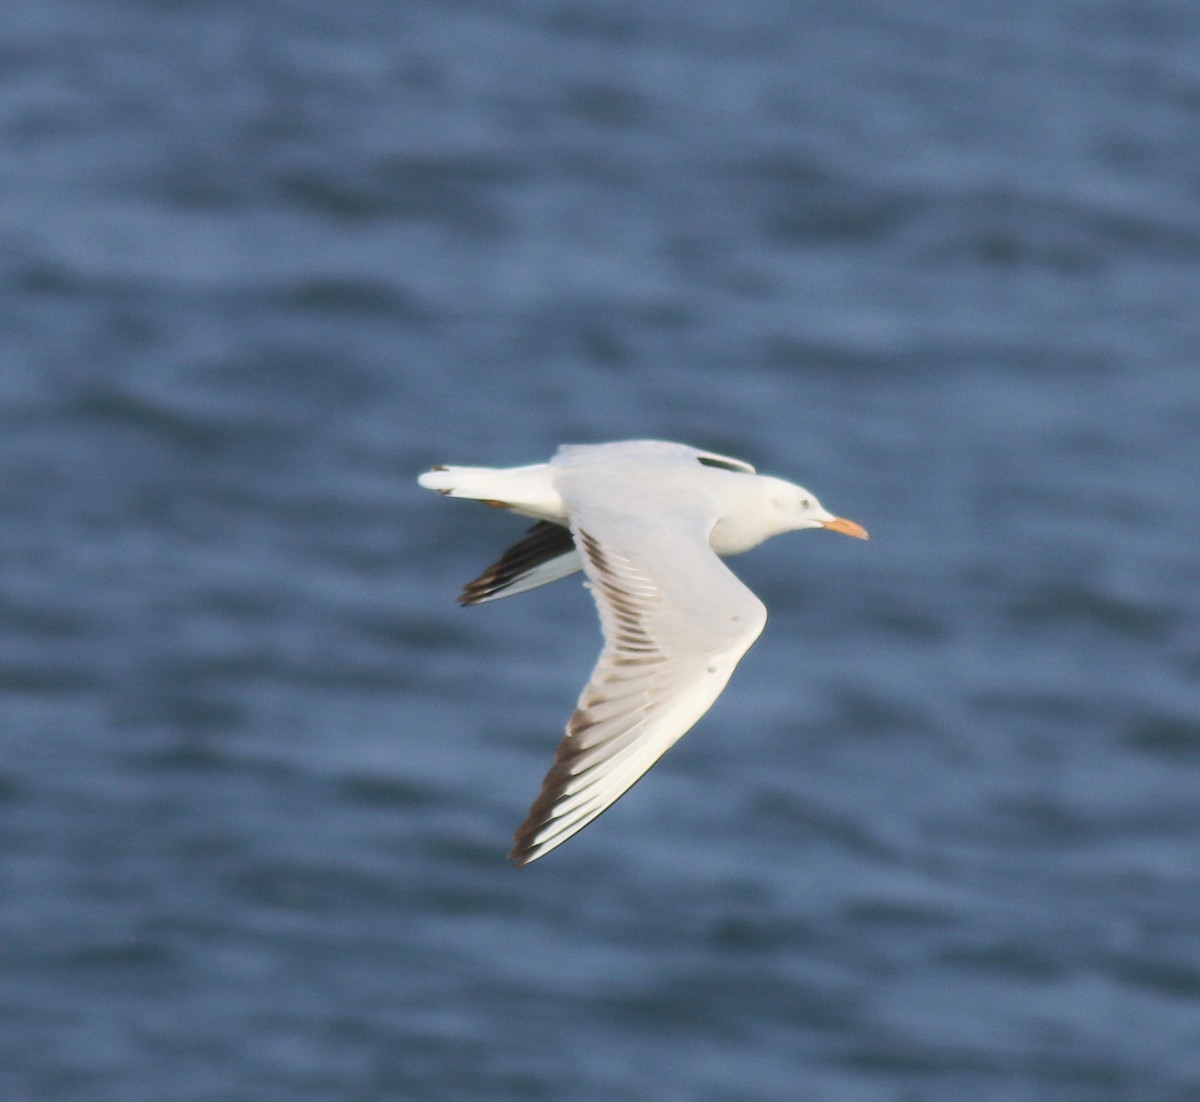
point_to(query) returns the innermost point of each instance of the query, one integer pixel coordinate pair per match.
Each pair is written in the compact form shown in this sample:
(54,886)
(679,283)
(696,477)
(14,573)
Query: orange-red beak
(847,528)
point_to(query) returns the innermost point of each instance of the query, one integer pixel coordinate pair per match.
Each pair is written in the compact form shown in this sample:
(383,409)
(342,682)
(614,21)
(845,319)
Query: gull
(648,523)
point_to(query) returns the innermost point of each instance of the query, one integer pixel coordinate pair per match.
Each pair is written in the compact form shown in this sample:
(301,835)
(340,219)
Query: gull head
(795,509)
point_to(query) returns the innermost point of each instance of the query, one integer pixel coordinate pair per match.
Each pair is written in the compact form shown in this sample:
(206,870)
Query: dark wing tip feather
(542,809)
(544,541)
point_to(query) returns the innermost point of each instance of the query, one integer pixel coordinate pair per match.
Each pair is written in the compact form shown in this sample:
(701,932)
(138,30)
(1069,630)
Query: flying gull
(648,523)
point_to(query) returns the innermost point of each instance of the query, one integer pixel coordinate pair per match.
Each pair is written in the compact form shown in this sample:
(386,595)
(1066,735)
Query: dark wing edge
(543,543)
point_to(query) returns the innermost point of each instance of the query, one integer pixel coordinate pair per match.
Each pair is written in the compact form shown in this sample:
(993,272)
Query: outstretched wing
(676,622)
(546,554)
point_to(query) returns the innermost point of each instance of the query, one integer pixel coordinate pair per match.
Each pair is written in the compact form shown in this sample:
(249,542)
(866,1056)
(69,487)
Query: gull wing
(546,554)
(676,622)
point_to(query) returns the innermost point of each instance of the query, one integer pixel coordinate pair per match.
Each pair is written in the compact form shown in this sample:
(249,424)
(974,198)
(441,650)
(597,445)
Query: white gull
(646,521)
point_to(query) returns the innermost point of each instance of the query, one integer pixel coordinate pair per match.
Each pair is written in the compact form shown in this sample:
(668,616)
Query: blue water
(263,262)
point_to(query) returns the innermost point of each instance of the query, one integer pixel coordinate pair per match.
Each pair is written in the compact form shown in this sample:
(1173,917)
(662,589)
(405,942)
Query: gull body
(648,522)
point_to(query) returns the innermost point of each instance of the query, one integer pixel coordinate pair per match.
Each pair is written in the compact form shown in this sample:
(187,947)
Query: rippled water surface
(263,262)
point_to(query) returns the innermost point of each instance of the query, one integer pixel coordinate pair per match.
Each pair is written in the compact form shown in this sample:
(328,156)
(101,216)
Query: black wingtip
(543,542)
(519,858)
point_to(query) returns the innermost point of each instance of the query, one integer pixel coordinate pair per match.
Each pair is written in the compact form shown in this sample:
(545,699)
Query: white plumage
(646,521)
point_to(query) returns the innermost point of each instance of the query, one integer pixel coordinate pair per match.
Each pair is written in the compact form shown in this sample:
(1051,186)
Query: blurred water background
(264,261)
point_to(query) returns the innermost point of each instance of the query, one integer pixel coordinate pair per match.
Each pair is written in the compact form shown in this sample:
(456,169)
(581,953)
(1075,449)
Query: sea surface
(261,262)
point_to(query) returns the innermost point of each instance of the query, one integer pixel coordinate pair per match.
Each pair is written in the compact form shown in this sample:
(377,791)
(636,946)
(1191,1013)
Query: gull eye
(804,504)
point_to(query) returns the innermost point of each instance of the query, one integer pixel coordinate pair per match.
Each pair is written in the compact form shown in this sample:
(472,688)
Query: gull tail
(480,483)
(526,490)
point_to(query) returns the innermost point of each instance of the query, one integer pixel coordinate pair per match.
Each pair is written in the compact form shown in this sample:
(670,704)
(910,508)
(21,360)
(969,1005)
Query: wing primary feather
(544,543)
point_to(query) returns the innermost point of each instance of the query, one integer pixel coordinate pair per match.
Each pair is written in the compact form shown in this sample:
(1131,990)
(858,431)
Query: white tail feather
(525,490)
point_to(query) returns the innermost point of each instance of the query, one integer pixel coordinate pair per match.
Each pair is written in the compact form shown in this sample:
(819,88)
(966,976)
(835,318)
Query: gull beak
(846,527)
